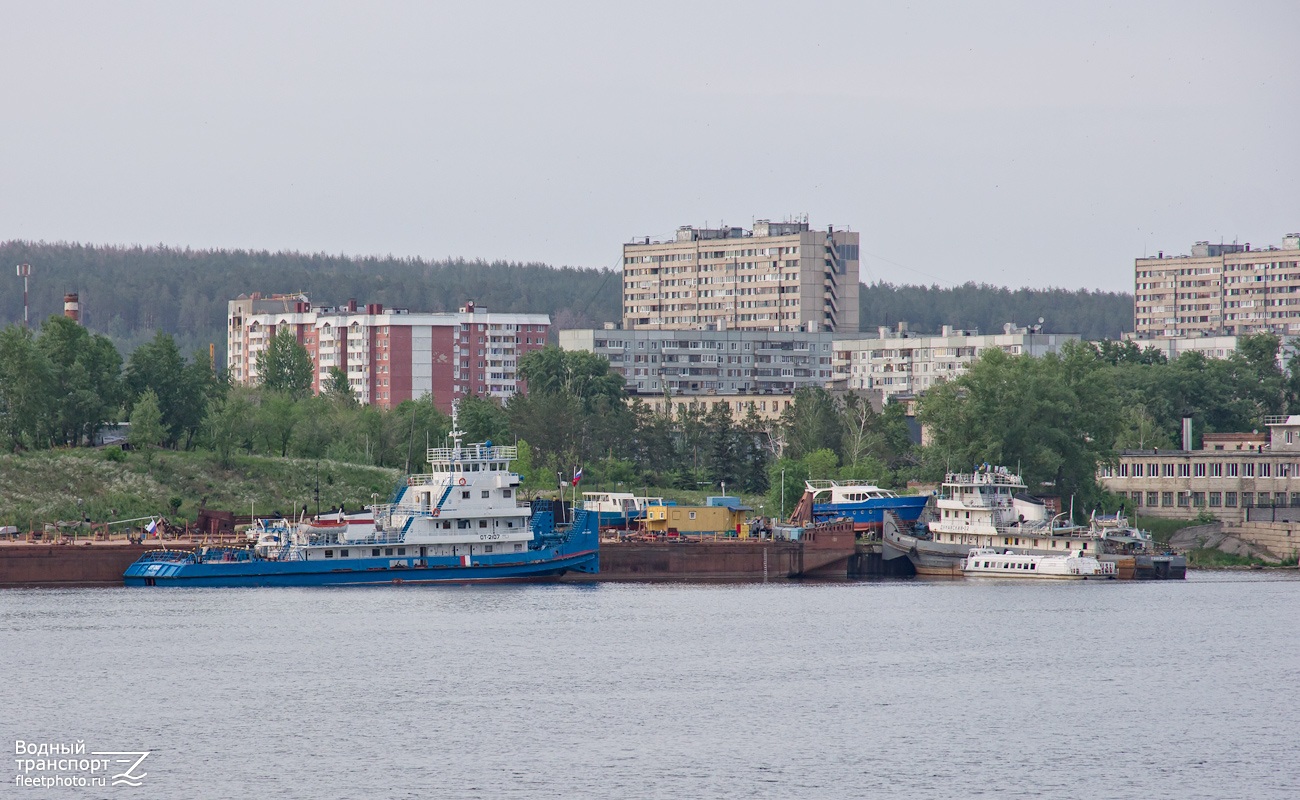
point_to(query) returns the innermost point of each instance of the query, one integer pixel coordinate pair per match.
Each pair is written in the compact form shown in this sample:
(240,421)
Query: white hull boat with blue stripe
(460,522)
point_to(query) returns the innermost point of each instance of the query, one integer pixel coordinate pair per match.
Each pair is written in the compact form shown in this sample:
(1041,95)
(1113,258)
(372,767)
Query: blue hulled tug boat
(460,522)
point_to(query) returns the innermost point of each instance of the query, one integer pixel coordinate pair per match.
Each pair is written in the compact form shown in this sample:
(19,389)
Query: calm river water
(910,689)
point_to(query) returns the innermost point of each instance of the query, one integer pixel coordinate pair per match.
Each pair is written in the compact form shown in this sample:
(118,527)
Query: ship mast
(456,434)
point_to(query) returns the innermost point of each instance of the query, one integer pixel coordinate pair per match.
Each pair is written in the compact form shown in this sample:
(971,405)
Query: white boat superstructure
(469,497)
(1119,536)
(619,503)
(830,491)
(990,562)
(987,508)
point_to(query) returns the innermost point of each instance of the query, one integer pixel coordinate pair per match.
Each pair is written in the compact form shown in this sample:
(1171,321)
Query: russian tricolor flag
(577,475)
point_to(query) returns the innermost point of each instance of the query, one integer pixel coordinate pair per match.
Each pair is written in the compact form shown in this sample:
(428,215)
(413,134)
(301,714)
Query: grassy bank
(108,484)
(111,484)
(1163,529)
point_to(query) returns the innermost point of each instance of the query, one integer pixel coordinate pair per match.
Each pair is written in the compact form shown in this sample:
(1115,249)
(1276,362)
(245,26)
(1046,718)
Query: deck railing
(473,452)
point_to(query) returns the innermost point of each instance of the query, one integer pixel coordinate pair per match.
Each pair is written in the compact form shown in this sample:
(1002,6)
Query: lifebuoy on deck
(437,511)
(462,481)
(410,481)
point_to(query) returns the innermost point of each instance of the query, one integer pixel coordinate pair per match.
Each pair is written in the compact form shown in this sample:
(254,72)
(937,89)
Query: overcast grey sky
(1004,142)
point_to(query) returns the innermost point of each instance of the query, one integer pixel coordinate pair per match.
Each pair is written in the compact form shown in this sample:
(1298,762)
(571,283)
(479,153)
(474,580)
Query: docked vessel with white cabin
(618,509)
(989,562)
(460,522)
(864,503)
(985,508)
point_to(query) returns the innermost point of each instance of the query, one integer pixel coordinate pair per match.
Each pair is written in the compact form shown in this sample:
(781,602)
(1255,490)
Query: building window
(1199,469)
(1153,498)
(1216,499)
(1216,470)
(1198,499)
(1182,499)
(1167,499)
(1230,499)
(1247,499)
(1265,469)
(1137,498)
(1232,470)
(1168,469)
(1184,470)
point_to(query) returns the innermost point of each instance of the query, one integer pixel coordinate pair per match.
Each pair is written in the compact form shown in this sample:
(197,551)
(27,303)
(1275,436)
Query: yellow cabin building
(725,520)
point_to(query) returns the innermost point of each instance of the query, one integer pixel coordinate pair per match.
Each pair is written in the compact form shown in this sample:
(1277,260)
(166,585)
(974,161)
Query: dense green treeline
(129,293)
(1093,315)
(1054,418)
(1059,417)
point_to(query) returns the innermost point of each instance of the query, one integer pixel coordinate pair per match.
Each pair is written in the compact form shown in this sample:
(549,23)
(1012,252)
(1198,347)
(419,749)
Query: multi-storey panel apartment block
(699,362)
(1220,289)
(900,362)
(390,355)
(778,276)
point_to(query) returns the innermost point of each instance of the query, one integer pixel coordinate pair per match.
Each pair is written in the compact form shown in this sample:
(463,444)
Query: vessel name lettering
(487,537)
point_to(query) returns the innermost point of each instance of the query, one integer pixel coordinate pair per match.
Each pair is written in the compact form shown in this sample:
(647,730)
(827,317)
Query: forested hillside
(1094,315)
(129,293)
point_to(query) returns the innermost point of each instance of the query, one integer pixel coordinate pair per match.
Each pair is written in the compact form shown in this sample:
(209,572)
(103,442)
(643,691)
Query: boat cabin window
(329,553)
(462,523)
(343,554)
(485,494)
(518,548)
(464,495)
(401,551)
(446,525)
(388,551)
(482,523)
(487,548)
(374,552)
(505,492)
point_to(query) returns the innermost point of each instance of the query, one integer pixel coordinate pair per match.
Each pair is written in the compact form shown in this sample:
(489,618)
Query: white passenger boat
(988,562)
